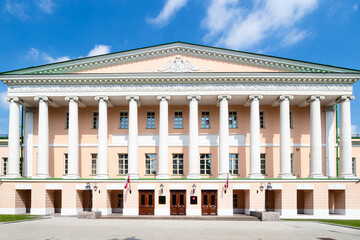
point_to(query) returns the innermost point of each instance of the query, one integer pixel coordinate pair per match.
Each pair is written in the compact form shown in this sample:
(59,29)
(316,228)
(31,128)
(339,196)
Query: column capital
(285,97)
(226,97)
(345,98)
(329,108)
(72,98)
(132,97)
(103,98)
(163,97)
(29,109)
(41,98)
(315,98)
(193,97)
(13,99)
(252,97)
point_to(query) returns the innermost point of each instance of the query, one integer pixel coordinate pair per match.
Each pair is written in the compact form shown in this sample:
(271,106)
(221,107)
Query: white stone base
(225,212)
(12,210)
(162,212)
(42,211)
(70,211)
(130,212)
(104,211)
(193,212)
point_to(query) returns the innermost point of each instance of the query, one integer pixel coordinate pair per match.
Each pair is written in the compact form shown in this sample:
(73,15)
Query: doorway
(209,202)
(178,202)
(146,202)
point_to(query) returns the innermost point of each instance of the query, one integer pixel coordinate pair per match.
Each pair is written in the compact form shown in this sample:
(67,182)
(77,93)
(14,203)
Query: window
(291,119)
(178,164)
(262,119)
(150,163)
(93,163)
(150,122)
(67,120)
(205,163)
(95,122)
(232,119)
(233,164)
(124,120)
(122,164)
(263,163)
(120,200)
(292,163)
(4,166)
(178,121)
(66,163)
(205,119)
(354,166)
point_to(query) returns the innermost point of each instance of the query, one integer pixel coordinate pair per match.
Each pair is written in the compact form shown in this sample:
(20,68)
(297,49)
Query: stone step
(201,218)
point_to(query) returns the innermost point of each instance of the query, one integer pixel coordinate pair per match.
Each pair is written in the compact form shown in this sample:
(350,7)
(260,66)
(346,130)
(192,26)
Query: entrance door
(146,202)
(209,202)
(178,202)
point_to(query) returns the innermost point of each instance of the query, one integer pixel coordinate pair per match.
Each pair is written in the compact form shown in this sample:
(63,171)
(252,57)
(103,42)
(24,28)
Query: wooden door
(146,202)
(178,202)
(209,202)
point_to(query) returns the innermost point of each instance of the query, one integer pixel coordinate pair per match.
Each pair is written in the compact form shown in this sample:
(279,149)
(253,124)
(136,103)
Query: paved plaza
(57,228)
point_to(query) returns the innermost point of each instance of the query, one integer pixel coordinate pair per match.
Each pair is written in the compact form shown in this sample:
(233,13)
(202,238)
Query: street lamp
(194,188)
(161,188)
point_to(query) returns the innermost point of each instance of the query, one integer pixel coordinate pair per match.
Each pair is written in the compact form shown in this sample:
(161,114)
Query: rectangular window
(150,163)
(292,162)
(354,166)
(122,164)
(205,163)
(93,163)
(4,165)
(233,164)
(291,119)
(262,119)
(124,120)
(178,120)
(232,119)
(178,164)
(66,163)
(95,122)
(67,120)
(205,119)
(263,163)
(150,121)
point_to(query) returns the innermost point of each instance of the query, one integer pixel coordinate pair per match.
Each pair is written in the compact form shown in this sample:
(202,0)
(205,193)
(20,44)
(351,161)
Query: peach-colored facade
(83,111)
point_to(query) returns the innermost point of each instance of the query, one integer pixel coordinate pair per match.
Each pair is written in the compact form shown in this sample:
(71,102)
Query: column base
(286,176)
(193,176)
(41,176)
(316,175)
(71,176)
(224,176)
(101,176)
(133,176)
(162,176)
(348,176)
(256,175)
(12,176)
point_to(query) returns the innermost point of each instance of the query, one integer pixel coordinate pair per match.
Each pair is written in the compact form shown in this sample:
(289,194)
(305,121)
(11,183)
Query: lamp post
(194,188)
(89,188)
(161,188)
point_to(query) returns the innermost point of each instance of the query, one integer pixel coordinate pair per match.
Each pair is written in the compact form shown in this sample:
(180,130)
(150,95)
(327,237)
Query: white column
(345,165)
(193,137)
(42,165)
(133,137)
(330,141)
(73,138)
(14,139)
(255,137)
(29,142)
(224,136)
(102,157)
(163,138)
(315,138)
(285,156)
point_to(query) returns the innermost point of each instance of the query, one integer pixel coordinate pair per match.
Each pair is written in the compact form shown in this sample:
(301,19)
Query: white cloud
(46,5)
(355,7)
(170,8)
(354,129)
(233,26)
(16,9)
(294,37)
(50,59)
(99,50)
(33,53)
(3,103)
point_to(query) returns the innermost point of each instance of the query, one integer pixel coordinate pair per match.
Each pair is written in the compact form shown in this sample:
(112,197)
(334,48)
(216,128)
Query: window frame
(292,163)
(178,158)
(66,163)
(231,125)
(206,170)
(95,120)
(93,159)
(151,164)
(353,165)
(262,119)
(123,168)
(265,164)
(67,120)
(178,124)
(291,116)
(4,165)
(231,163)
(125,123)
(203,122)
(150,120)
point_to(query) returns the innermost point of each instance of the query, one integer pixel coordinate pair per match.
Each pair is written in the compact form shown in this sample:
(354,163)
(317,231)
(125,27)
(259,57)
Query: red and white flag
(227,182)
(127,182)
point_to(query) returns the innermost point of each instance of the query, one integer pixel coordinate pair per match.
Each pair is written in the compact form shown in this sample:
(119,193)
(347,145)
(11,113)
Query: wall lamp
(268,186)
(193,188)
(161,188)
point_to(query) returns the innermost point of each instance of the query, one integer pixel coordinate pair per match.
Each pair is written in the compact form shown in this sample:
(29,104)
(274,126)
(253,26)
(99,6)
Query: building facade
(196,130)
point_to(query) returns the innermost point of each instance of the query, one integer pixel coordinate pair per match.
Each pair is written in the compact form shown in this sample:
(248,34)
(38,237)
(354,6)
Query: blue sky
(35,32)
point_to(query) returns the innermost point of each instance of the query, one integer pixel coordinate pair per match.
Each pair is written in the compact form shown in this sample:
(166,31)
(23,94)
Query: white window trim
(205,169)
(120,119)
(201,126)
(156,170)
(91,159)
(124,165)
(265,164)
(2,165)
(172,161)
(64,165)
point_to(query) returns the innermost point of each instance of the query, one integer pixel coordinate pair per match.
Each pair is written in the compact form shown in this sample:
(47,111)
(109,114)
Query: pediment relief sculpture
(178,65)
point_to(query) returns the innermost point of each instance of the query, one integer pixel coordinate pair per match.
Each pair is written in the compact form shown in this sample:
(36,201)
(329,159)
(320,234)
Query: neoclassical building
(197,130)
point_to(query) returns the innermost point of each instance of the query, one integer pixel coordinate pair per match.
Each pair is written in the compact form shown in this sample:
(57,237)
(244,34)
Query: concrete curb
(339,225)
(27,220)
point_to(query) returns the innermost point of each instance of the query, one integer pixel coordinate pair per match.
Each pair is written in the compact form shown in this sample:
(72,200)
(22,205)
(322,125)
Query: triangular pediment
(180,57)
